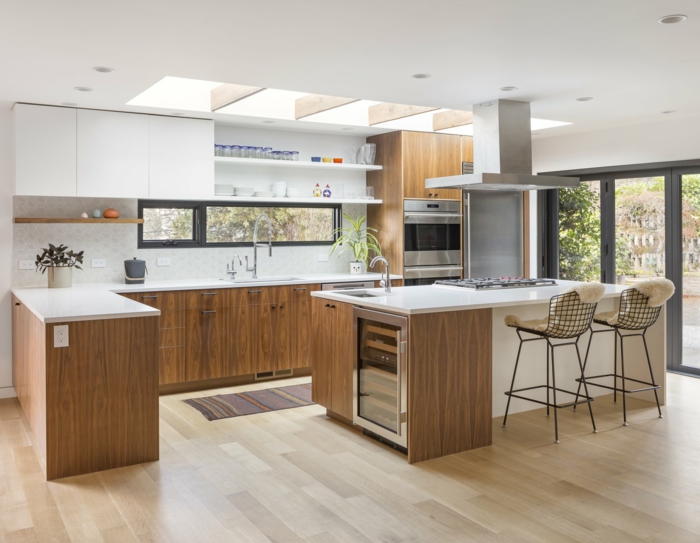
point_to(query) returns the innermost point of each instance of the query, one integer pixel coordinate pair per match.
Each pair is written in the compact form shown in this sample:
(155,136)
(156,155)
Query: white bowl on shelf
(292,192)
(223,190)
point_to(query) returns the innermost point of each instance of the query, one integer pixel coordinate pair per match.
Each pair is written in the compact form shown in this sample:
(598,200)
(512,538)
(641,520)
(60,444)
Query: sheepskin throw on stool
(657,290)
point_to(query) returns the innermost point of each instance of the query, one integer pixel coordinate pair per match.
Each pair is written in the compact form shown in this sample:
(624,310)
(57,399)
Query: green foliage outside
(579,233)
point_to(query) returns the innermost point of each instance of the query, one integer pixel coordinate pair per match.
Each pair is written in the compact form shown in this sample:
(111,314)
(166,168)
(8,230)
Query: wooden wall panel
(102,396)
(321,351)
(449,391)
(388,186)
(342,361)
(29,368)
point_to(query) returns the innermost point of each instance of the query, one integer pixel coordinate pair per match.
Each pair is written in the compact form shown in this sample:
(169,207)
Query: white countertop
(99,301)
(436,298)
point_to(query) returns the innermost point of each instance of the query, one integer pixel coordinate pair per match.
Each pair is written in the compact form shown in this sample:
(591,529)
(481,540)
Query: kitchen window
(178,224)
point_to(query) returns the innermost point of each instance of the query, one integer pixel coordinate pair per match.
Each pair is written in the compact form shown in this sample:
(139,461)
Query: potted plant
(60,262)
(359,239)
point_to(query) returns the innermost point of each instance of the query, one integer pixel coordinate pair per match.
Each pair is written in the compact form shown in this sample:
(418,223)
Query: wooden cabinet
(332,356)
(181,161)
(45,148)
(112,154)
(467,149)
(207,349)
(427,155)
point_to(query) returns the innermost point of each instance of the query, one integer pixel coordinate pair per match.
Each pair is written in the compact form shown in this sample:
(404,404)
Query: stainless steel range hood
(502,153)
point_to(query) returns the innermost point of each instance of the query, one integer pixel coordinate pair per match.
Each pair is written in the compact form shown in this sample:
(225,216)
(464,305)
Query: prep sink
(279,279)
(360,294)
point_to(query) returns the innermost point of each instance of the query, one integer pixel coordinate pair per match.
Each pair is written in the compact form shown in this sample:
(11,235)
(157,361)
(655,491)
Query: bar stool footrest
(582,399)
(650,386)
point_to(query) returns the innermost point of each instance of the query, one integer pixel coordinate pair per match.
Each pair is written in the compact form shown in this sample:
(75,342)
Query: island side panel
(29,368)
(449,383)
(102,396)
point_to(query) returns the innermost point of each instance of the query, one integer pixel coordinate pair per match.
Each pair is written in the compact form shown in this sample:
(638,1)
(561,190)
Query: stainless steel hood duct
(502,153)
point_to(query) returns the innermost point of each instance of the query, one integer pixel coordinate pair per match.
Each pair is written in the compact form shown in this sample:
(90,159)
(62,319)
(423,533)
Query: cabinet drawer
(207,299)
(173,337)
(257,295)
(172,318)
(298,293)
(159,300)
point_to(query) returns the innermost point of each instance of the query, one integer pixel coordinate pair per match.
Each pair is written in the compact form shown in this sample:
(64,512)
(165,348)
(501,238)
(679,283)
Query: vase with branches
(59,261)
(359,239)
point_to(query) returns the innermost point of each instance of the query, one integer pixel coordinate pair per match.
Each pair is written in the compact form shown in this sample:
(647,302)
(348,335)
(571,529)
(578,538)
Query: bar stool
(639,308)
(570,315)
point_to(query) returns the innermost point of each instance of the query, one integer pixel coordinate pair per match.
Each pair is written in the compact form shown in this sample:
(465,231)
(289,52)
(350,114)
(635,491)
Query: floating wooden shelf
(272,200)
(77,221)
(304,164)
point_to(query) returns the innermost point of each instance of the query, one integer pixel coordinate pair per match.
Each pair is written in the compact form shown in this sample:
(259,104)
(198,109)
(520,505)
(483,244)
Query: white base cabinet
(45,150)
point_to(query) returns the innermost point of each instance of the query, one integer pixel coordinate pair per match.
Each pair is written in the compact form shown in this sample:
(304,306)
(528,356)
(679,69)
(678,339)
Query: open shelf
(253,199)
(302,164)
(77,221)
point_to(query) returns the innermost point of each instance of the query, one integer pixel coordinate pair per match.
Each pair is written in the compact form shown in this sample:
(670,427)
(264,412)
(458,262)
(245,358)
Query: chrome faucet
(386,284)
(254,269)
(231,268)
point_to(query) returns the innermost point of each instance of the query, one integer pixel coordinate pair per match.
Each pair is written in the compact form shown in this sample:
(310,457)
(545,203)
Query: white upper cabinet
(112,154)
(181,158)
(45,147)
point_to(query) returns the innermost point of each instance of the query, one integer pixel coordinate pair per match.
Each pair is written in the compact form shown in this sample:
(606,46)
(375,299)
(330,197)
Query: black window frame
(200,223)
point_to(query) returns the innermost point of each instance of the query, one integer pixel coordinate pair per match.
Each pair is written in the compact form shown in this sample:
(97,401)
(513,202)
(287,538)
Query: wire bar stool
(568,319)
(634,315)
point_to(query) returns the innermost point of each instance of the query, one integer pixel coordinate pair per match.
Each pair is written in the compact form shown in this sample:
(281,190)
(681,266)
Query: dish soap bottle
(317,191)
(327,192)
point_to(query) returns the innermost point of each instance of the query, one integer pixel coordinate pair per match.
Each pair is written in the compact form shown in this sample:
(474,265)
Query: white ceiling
(552,50)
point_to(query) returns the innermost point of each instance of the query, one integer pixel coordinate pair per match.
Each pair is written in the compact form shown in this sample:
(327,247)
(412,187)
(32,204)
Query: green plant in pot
(59,261)
(359,239)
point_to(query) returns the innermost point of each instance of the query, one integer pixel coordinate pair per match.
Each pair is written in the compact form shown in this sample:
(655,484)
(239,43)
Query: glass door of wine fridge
(380,374)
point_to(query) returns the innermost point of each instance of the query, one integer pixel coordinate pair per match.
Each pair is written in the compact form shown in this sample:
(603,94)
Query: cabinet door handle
(254,291)
(147,297)
(301,288)
(209,293)
(281,307)
(332,307)
(274,306)
(212,311)
(328,305)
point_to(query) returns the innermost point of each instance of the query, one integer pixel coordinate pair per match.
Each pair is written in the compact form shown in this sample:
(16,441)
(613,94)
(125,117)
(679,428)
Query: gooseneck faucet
(386,284)
(254,269)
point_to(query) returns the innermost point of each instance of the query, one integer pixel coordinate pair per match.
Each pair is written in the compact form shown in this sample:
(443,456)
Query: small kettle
(135,272)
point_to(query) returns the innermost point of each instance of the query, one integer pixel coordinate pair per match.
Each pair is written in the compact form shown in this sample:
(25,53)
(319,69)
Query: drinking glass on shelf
(286,155)
(226,150)
(369,151)
(218,150)
(369,193)
(267,152)
(294,155)
(259,152)
(236,151)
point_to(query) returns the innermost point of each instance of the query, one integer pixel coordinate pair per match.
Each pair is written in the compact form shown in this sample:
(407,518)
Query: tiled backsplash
(116,243)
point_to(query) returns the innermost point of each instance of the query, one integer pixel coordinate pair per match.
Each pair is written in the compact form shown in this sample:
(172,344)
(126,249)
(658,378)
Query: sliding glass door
(626,227)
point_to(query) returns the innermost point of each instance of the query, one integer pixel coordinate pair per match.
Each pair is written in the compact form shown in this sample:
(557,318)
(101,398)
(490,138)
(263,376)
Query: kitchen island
(459,358)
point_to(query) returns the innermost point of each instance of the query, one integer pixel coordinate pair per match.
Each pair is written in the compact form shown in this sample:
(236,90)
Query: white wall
(669,140)
(6,189)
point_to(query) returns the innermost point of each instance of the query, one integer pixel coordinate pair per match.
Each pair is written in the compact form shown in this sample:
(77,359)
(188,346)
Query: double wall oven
(432,241)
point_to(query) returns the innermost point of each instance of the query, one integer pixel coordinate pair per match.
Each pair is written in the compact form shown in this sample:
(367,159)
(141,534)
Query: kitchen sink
(271,279)
(361,294)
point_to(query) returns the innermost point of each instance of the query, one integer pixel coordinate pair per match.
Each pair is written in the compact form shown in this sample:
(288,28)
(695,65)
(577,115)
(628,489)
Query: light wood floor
(295,476)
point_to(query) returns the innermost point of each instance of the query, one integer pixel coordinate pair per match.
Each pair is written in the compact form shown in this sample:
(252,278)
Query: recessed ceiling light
(103,69)
(584,99)
(668,111)
(68,104)
(347,128)
(269,122)
(83,89)
(672,19)
(508,89)
(420,76)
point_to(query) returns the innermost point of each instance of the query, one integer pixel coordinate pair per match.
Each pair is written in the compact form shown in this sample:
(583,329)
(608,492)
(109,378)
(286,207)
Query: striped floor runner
(224,406)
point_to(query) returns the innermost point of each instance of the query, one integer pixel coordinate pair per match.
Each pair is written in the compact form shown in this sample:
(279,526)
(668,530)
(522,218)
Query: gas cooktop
(490,283)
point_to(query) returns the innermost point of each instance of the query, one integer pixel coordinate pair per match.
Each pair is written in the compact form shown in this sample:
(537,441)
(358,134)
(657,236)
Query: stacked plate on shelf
(223,190)
(279,188)
(244,191)
(264,193)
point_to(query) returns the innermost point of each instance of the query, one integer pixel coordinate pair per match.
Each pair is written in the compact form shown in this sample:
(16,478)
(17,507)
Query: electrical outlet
(99,262)
(26,265)
(323,258)
(163,261)
(60,336)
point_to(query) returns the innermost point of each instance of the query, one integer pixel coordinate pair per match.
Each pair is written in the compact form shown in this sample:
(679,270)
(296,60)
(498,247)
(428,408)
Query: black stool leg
(512,382)
(548,380)
(624,386)
(585,387)
(585,362)
(615,370)
(554,394)
(651,373)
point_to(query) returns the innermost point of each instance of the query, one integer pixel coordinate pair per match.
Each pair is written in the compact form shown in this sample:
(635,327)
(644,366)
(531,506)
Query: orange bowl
(111,213)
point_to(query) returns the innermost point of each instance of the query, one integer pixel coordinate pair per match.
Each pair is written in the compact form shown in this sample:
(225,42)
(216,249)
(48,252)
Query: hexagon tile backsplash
(117,242)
